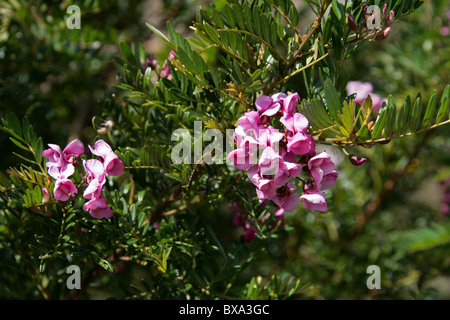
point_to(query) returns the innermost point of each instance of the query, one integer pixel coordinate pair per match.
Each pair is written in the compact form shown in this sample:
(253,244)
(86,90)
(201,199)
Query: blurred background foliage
(388,212)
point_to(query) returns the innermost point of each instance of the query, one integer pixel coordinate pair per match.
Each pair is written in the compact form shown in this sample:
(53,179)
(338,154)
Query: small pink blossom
(250,121)
(314,201)
(301,144)
(64,189)
(266,106)
(98,208)
(111,162)
(321,168)
(285,198)
(60,163)
(290,103)
(298,141)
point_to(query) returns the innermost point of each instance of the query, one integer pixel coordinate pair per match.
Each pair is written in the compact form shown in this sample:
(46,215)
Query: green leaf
(380,123)
(443,109)
(238,14)
(347,118)
(404,117)
(161,36)
(126,52)
(4,181)
(39,148)
(416,114)
(424,238)
(173,176)
(332,99)
(336,9)
(391,117)
(212,34)
(14,124)
(217,19)
(19,144)
(431,108)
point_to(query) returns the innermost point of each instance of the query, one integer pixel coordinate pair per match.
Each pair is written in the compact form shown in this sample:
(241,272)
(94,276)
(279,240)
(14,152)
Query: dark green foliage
(172,234)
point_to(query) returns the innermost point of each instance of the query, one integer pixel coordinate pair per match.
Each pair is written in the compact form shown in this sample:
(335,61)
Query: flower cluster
(108,164)
(61,165)
(275,159)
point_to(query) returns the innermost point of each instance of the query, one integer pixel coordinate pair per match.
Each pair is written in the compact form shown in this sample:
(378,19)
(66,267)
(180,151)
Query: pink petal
(75,147)
(314,201)
(329,180)
(301,144)
(101,148)
(94,189)
(94,168)
(64,188)
(272,110)
(290,103)
(98,208)
(250,120)
(291,202)
(263,103)
(113,165)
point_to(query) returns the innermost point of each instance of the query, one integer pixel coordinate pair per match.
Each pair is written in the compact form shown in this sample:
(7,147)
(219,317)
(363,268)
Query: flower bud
(351,23)
(382,35)
(364,13)
(390,19)
(356,161)
(45,195)
(384,13)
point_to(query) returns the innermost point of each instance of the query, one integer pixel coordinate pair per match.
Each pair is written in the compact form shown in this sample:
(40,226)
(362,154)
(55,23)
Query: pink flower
(250,121)
(285,198)
(60,163)
(241,158)
(321,168)
(377,102)
(269,162)
(64,189)
(266,106)
(355,160)
(247,145)
(301,144)
(271,171)
(362,90)
(288,170)
(314,201)
(111,162)
(266,189)
(269,137)
(295,123)
(95,178)
(298,141)
(290,103)
(94,169)
(98,208)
